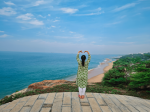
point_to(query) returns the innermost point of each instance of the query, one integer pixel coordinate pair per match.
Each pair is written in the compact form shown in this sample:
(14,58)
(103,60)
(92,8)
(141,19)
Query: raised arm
(78,60)
(89,57)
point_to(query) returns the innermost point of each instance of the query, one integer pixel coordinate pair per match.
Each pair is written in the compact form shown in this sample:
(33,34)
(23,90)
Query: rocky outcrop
(43,85)
(108,59)
(48,84)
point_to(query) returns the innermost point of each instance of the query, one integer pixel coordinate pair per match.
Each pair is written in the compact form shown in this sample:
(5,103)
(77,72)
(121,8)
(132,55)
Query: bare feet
(82,97)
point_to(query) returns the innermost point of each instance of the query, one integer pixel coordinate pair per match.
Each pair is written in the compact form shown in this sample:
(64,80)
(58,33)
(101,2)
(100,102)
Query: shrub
(121,69)
(140,79)
(114,91)
(142,69)
(147,64)
(113,77)
(118,81)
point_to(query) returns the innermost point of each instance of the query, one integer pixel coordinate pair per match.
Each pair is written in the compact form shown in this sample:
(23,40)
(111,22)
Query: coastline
(92,74)
(99,77)
(96,74)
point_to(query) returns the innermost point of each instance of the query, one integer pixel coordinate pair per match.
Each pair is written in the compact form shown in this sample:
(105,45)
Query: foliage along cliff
(132,71)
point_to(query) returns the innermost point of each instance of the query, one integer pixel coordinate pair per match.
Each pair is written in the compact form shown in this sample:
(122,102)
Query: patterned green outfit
(82,75)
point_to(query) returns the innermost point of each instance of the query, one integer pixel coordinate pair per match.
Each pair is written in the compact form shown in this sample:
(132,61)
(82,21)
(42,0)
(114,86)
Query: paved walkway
(70,102)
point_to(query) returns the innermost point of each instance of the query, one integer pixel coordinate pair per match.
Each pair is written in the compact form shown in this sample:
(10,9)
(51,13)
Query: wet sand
(97,74)
(99,77)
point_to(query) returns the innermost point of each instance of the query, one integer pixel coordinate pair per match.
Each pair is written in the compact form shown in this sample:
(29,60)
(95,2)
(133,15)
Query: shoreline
(96,74)
(92,72)
(91,78)
(99,77)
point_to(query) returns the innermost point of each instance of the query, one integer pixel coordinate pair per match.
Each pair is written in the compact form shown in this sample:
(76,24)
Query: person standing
(82,75)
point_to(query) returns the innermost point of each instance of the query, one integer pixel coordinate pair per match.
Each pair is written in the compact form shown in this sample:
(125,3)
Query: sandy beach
(99,77)
(92,74)
(92,77)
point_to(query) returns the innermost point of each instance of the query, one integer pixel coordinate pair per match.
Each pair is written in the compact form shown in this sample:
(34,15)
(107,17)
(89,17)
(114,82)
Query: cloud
(27,16)
(82,6)
(99,9)
(77,37)
(55,20)
(49,15)
(112,23)
(71,32)
(53,26)
(42,16)
(125,7)
(143,37)
(37,3)
(69,10)
(7,11)
(90,14)
(123,42)
(3,36)
(95,12)
(68,47)
(9,3)
(1,31)
(36,22)
(126,42)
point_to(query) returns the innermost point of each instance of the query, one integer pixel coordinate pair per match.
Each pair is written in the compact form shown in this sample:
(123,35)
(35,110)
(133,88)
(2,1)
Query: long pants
(82,91)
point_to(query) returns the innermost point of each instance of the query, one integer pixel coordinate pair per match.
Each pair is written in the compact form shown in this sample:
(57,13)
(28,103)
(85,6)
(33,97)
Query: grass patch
(96,88)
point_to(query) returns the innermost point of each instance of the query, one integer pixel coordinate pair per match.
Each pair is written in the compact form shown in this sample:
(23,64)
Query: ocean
(20,69)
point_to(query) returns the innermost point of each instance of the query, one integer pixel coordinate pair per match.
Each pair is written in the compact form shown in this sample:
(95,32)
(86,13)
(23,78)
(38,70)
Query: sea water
(20,69)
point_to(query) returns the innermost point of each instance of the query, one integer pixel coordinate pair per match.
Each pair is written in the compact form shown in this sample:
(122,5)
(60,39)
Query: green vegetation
(129,76)
(131,73)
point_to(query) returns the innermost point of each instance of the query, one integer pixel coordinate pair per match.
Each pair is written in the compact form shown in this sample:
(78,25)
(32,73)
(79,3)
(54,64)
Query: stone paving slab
(70,102)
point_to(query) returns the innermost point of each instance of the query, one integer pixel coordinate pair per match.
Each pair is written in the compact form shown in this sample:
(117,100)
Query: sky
(68,26)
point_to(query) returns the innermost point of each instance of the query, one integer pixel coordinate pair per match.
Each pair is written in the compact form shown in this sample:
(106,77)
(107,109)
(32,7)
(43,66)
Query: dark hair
(83,57)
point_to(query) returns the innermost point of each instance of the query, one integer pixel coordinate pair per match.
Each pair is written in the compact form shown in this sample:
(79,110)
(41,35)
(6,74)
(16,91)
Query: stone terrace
(70,102)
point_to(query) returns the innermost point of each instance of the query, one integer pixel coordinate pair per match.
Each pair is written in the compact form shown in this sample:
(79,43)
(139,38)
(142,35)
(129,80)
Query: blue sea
(20,69)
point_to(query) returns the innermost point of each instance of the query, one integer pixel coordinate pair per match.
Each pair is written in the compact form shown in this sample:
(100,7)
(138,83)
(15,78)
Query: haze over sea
(20,69)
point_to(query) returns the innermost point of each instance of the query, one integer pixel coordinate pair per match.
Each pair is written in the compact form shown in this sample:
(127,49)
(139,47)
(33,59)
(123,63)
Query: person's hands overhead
(80,51)
(86,51)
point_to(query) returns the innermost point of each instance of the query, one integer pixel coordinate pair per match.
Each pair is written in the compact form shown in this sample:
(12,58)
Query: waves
(94,71)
